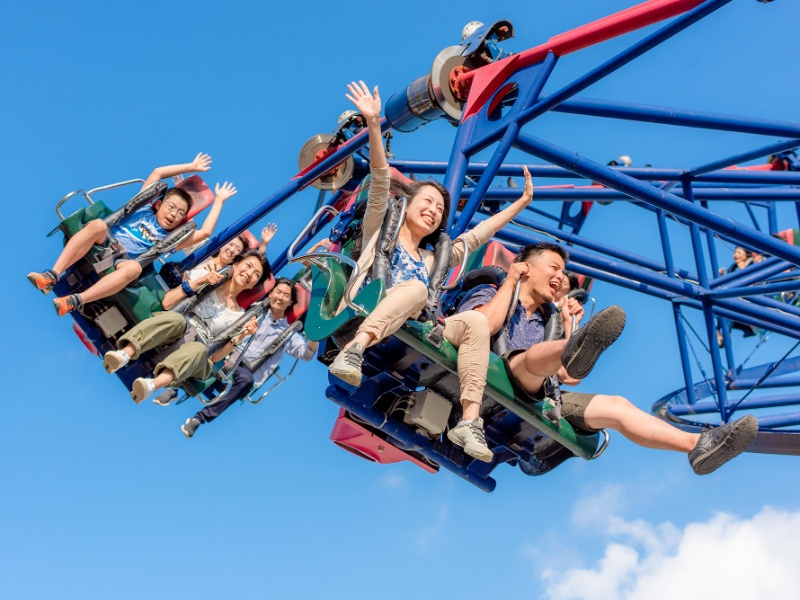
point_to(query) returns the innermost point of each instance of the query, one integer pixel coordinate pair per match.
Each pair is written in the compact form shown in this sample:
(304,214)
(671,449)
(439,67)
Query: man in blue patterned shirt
(540,268)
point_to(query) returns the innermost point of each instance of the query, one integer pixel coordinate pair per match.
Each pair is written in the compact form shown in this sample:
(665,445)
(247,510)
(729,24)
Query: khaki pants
(467,331)
(190,360)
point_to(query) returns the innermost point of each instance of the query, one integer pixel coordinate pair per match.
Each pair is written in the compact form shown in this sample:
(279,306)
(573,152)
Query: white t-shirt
(214,314)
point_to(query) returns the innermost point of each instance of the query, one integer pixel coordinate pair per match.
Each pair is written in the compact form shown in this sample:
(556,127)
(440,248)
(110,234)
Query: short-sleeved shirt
(139,232)
(523,331)
(295,346)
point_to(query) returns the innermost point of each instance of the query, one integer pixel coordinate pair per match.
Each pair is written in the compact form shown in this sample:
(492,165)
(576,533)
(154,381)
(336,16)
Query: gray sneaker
(717,446)
(471,438)
(347,365)
(588,343)
(165,397)
(190,427)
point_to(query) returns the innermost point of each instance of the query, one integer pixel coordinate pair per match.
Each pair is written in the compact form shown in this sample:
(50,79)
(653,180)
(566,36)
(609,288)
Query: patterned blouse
(404,267)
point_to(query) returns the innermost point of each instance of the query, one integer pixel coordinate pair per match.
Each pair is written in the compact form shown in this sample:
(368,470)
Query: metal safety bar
(461,268)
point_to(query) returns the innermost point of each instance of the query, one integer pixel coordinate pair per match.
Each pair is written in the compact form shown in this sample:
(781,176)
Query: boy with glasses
(137,234)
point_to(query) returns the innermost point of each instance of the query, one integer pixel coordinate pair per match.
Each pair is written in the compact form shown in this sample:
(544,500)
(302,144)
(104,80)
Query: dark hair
(408,190)
(262,258)
(241,238)
(538,248)
(573,281)
(182,194)
(292,285)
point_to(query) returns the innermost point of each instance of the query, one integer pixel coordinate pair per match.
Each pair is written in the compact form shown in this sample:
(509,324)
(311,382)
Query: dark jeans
(242,382)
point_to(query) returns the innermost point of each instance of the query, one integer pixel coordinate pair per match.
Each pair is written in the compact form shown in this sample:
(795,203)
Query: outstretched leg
(94,232)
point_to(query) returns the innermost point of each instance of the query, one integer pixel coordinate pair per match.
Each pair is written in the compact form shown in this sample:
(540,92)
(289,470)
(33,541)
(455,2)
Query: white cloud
(428,538)
(393,481)
(726,557)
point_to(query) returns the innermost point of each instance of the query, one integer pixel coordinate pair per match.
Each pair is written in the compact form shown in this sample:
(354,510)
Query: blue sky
(105,499)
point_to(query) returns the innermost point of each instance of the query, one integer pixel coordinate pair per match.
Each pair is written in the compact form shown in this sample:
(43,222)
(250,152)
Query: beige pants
(190,360)
(467,331)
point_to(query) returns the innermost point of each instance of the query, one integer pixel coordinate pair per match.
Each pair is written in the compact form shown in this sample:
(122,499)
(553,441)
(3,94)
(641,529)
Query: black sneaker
(190,427)
(717,446)
(547,455)
(588,343)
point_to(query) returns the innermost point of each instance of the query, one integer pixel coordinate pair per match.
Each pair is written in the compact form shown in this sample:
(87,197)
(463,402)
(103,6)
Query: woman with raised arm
(411,262)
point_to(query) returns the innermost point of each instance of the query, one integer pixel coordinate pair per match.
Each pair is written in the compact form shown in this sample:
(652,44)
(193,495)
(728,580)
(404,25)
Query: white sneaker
(469,435)
(114,360)
(142,388)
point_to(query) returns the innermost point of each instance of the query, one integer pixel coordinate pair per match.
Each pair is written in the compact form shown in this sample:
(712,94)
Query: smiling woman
(212,314)
(410,266)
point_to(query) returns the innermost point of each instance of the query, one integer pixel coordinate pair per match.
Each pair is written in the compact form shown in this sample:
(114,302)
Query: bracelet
(187,289)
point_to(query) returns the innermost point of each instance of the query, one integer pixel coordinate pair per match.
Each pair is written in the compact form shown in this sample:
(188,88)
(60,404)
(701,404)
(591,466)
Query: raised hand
(178,178)
(268,233)
(221,194)
(367,104)
(201,162)
(527,192)
(517,271)
(326,244)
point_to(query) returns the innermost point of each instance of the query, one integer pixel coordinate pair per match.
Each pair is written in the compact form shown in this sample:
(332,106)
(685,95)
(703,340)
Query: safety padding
(247,297)
(201,194)
(142,300)
(499,389)
(78,220)
(327,294)
(300,307)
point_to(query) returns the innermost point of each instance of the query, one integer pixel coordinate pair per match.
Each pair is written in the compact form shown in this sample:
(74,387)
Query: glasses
(171,208)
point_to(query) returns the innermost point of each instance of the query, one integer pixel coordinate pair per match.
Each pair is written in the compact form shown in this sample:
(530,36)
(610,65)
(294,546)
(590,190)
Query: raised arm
(501,219)
(266,236)
(200,164)
(369,105)
(496,309)
(221,194)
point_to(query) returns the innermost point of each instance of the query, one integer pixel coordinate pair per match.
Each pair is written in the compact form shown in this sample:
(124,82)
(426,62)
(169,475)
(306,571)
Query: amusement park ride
(410,390)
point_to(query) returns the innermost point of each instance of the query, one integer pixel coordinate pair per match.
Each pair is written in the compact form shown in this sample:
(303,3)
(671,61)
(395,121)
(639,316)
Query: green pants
(190,360)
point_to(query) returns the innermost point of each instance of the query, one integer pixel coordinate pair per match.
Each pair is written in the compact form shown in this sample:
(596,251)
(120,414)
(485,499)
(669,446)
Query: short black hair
(262,258)
(292,285)
(182,194)
(538,248)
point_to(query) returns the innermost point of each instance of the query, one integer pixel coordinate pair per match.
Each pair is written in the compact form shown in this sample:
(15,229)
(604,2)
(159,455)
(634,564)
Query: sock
(75,300)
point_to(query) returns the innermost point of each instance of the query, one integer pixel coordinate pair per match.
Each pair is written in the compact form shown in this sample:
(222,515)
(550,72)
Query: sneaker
(114,360)
(588,343)
(469,435)
(717,446)
(44,281)
(142,388)
(166,397)
(547,455)
(66,304)
(190,427)
(347,365)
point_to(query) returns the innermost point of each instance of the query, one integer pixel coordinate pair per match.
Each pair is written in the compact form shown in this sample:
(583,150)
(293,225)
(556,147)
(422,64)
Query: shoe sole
(351,376)
(486,457)
(45,290)
(186,431)
(732,445)
(601,331)
(139,391)
(112,363)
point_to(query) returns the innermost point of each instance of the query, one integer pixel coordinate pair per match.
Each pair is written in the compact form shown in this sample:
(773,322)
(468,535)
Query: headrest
(202,195)
(300,307)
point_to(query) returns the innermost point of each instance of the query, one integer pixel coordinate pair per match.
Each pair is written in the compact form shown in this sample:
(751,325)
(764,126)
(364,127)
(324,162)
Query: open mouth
(555,285)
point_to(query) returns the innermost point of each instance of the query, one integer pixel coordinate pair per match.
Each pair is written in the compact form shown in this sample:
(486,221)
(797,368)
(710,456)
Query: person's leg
(469,332)
(94,232)
(402,301)
(643,429)
(706,451)
(190,360)
(242,384)
(126,272)
(162,328)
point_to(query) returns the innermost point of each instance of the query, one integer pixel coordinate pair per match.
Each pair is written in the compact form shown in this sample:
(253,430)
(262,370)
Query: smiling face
(425,211)
(739,254)
(546,276)
(246,273)
(171,211)
(280,299)
(230,251)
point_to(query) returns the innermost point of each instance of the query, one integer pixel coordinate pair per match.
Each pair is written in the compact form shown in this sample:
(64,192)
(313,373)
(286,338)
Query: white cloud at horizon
(725,557)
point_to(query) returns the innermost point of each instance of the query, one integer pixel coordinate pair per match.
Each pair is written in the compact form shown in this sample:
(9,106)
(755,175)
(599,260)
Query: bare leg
(79,244)
(126,273)
(470,410)
(617,413)
(164,378)
(537,363)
